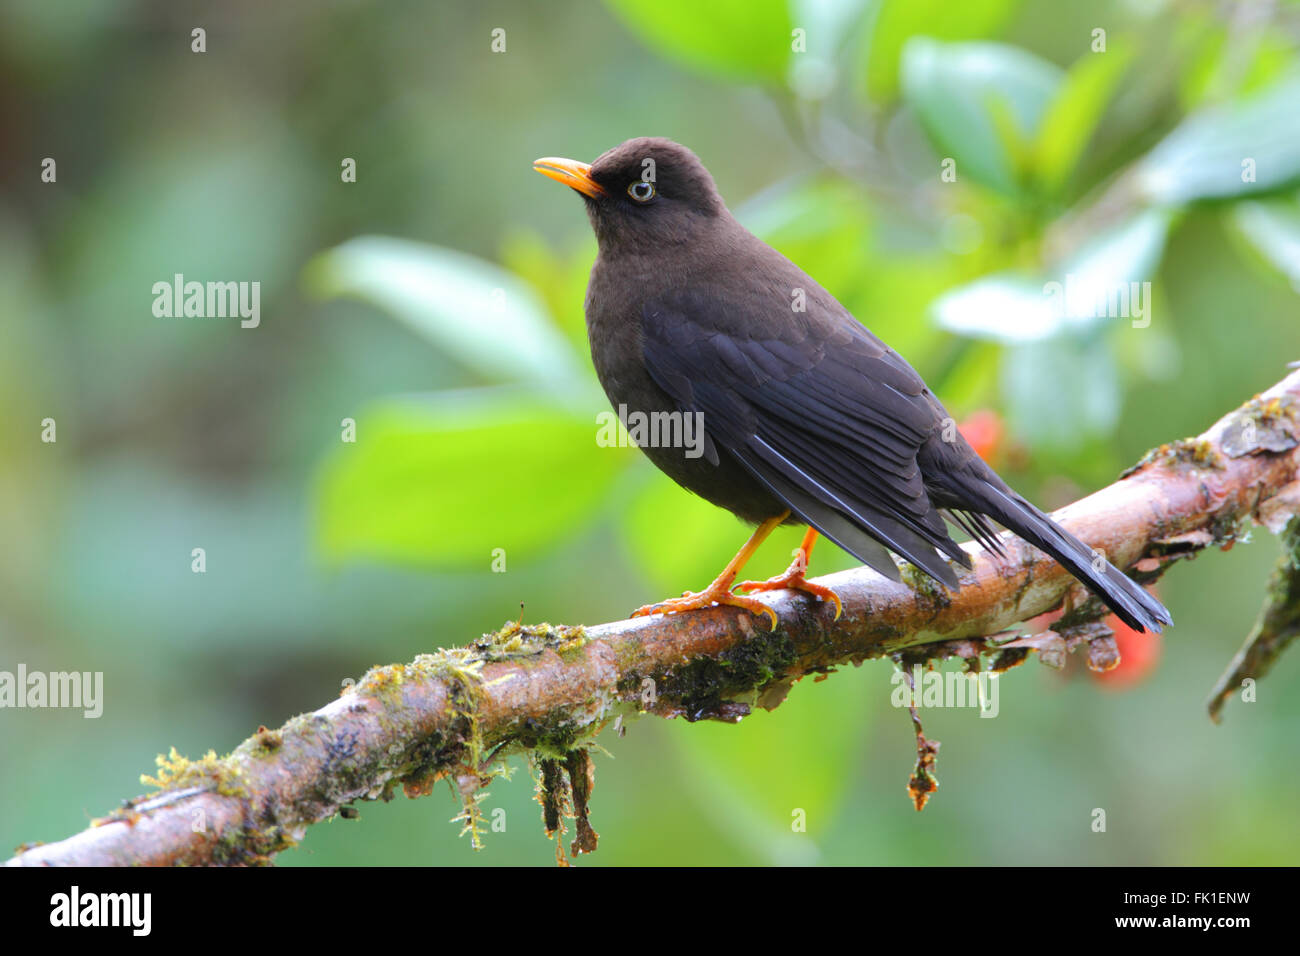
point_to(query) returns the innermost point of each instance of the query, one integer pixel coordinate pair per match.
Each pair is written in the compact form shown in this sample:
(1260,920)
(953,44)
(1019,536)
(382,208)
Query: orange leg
(719,592)
(794,577)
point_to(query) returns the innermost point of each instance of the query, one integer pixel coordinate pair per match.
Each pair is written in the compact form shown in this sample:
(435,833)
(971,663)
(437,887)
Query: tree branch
(547,691)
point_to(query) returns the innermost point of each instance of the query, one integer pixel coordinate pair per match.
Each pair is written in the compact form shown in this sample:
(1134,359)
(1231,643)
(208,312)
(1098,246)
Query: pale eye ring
(641,191)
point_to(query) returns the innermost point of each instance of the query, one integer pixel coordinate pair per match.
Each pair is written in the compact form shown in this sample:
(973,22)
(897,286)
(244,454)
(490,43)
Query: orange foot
(719,592)
(794,580)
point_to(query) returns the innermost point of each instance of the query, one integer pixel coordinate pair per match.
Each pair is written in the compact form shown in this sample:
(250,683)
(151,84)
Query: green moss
(704,687)
(1185,453)
(1262,427)
(1199,452)
(460,756)
(459,752)
(217,773)
(516,641)
(550,738)
(628,683)
(1257,426)
(925,586)
(266,742)
(248,846)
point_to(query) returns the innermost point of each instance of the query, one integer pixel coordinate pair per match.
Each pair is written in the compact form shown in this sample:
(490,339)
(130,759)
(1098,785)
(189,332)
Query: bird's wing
(817,408)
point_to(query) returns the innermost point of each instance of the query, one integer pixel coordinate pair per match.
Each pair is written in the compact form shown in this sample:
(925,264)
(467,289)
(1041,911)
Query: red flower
(983,430)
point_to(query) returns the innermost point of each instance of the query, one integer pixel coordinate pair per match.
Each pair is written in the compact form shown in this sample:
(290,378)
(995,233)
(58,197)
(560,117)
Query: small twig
(1278,626)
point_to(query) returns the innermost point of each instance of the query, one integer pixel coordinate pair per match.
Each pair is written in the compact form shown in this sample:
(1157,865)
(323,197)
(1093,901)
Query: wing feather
(832,430)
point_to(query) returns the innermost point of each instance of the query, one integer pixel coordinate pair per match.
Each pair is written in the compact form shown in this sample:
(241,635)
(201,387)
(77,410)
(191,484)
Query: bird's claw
(794,580)
(696,600)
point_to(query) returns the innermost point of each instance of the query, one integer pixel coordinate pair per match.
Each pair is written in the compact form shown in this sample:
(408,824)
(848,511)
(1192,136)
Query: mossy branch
(548,691)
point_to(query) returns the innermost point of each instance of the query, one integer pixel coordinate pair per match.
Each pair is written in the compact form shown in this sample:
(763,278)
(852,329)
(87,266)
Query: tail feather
(987,494)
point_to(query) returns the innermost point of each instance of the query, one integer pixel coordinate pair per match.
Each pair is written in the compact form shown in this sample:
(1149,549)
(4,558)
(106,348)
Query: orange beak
(572,173)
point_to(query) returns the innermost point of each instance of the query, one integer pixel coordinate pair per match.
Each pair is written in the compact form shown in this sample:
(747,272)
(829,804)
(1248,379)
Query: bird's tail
(987,494)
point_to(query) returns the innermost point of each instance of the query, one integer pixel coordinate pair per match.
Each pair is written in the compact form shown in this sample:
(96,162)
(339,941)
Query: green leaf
(748,39)
(1274,57)
(1097,285)
(1216,73)
(1273,228)
(560,279)
(446,482)
(480,314)
(971,98)
(1203,72)
(1242,148)
(897,21)
(1074,114)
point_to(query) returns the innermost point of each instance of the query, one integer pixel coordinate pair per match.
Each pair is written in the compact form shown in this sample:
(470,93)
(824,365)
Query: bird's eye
(641,191)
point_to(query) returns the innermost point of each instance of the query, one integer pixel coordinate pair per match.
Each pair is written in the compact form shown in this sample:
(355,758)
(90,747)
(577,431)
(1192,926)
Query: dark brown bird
(807,416)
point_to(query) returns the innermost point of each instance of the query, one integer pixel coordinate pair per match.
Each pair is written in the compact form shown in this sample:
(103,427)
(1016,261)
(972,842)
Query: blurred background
(932,164)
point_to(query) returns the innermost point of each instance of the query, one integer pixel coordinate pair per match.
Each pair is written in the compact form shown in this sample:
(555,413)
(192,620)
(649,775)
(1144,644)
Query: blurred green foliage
(1117,158)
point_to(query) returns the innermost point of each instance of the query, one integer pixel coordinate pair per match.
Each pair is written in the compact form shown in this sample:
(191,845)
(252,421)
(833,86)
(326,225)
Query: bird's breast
(676,440)
(613,311)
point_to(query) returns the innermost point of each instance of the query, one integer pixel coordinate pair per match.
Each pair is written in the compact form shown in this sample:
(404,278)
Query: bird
(808,417)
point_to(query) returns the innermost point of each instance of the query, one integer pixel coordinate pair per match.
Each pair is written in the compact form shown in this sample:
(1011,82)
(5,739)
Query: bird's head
(646,189)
